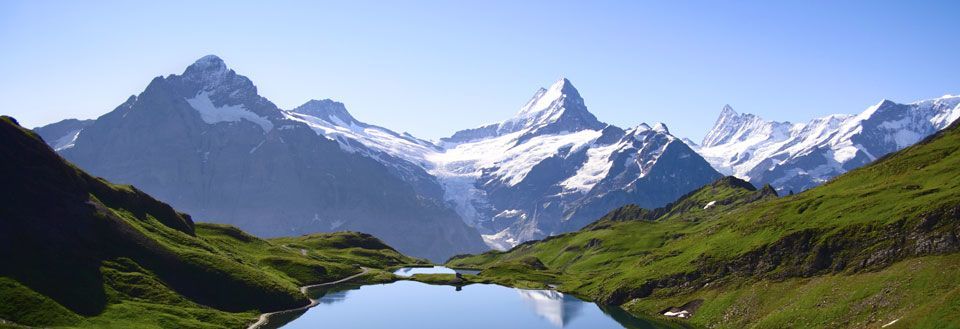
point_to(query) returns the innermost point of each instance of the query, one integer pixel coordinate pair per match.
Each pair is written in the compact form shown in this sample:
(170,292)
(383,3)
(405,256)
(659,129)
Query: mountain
(796,157)
(79,251)
(63,134)
(554,167)
(876,246)
(551,110)
(402,154)
(547,170)
(207,143)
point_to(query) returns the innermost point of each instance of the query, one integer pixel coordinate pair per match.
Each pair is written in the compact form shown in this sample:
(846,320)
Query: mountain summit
(554,109)
(551,110)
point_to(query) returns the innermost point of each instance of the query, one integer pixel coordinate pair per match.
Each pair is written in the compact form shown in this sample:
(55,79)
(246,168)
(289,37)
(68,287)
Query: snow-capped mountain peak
(733,127)
(560,106)
(545,99)
(799,156)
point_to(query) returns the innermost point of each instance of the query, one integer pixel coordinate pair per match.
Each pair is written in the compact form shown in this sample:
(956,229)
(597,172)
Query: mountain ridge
(553,151)
(207,143)
(796,157)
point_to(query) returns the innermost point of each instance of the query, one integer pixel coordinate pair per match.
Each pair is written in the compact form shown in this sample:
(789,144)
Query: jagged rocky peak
(732,126)
(546,99)
(556,109)
(727,124)
(210,74)
(327,110)
(560,106)
(661,127)
(728,111)
(209,70)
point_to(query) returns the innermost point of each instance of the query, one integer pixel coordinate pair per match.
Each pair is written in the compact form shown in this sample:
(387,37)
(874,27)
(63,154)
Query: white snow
(593,170)
(752,143)
(680,314)
(507,160)
(373,137)
(710,204)
(503,240)
(212,114)
(546,106)
(67,141)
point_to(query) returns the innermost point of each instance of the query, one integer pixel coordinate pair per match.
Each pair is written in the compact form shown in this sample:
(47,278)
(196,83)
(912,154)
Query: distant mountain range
(207,143)
(796,157)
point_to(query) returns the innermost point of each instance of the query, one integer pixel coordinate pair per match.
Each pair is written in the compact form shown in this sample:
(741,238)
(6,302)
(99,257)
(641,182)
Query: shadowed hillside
(79,251)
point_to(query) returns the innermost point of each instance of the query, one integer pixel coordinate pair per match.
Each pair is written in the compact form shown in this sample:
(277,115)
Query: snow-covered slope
(551,168)
(796,157)
(554,167)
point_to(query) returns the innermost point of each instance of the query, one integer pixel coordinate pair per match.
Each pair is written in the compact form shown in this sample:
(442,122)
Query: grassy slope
(81,252)
(857,251)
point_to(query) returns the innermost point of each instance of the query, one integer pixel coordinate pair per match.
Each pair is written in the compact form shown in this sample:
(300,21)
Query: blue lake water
(408,304)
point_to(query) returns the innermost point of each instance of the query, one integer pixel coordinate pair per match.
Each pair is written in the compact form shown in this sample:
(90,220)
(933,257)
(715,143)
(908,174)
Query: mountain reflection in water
(554,306)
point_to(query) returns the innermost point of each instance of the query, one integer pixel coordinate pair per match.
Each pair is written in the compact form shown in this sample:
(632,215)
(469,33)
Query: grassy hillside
(874,245)
(78,251)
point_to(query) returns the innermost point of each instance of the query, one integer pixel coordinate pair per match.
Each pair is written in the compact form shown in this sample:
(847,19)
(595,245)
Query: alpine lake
(411,304)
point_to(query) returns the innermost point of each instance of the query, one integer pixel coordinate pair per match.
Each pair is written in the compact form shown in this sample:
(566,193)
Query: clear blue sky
(431,68)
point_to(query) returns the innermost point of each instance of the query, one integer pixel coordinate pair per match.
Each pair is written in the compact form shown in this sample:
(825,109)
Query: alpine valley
(140,218)
(207,143)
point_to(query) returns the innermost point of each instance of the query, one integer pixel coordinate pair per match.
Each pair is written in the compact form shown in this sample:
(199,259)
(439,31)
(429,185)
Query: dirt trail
(265,317)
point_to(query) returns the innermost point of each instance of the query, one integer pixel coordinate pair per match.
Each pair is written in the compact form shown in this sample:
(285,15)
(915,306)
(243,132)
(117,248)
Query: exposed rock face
(207,143)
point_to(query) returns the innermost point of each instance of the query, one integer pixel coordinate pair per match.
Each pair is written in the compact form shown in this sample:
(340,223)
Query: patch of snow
(503,240)
(681,314)
(710,204)
(67,141)
(212,114)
